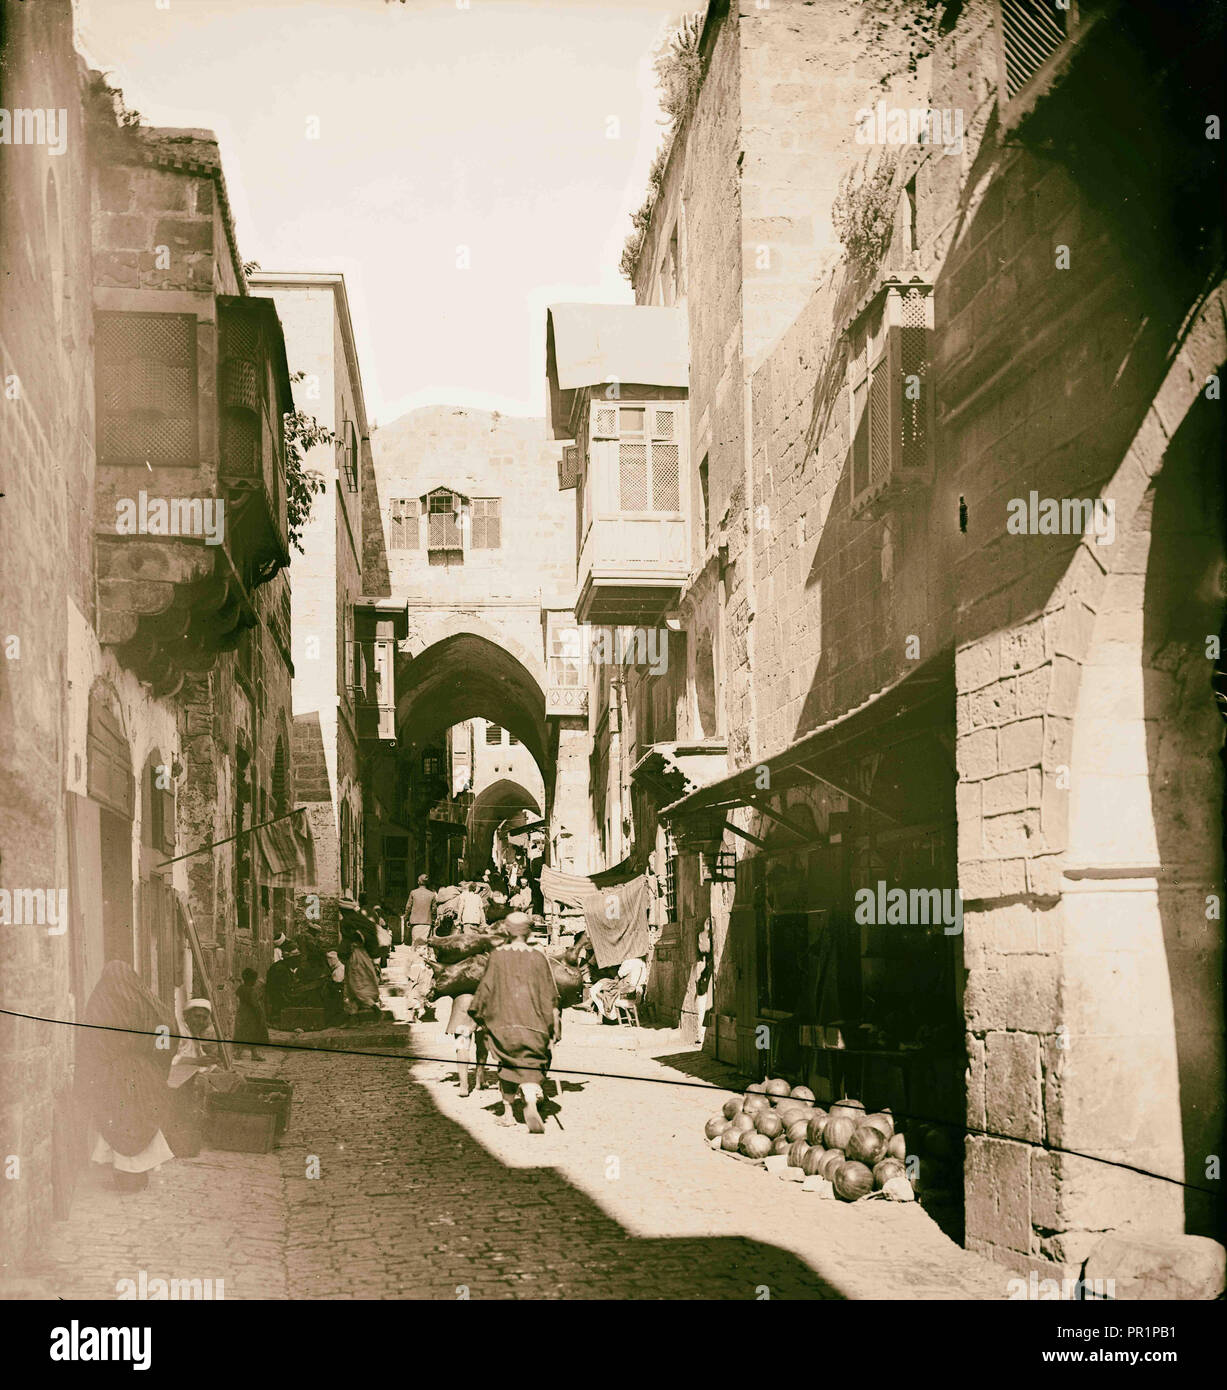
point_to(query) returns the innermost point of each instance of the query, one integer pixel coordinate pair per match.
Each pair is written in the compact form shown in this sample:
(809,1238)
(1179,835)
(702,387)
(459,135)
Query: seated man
(631,977)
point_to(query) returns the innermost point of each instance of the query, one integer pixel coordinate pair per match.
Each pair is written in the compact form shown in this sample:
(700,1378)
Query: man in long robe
(517,1007)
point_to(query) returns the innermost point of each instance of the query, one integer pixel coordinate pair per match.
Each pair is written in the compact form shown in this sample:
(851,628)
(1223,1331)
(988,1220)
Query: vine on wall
(679,74)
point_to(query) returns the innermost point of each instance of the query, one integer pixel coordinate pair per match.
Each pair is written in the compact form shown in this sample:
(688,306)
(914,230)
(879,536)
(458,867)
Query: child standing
(250,1025)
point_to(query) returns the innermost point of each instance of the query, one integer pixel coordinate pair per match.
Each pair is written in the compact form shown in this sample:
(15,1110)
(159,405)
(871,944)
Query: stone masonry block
(1013,1101)
(977,755)
(1022,649)
(997,1184)
(1021,744)
(977,665)
(1179,1267)
(979,880)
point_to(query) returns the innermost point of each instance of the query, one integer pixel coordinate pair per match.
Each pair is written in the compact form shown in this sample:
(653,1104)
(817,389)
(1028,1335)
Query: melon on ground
(837,1131)
(715,1126)
(853,1180)
(803,1093)
(777,1086)
(756,1088)
(769,1123)
(780,1145)
(832,1160)
(885,1169)
(731,1107)
(742,1122)
(799,1129)
(755,1145)
(796,1152)
(853,1109)
(897,1148)
(730,1140)
(815,1125)
(812,1161)
(867,1145)
(754,1103)
(883,1121)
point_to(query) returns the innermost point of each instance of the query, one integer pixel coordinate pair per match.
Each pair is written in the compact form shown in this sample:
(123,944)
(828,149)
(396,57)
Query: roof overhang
(592,344)
(669,771)
(899,710)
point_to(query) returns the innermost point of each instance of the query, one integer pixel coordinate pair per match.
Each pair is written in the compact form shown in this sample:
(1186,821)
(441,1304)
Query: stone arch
(1094,1024)
(467,674)
(523,639)
(491,807)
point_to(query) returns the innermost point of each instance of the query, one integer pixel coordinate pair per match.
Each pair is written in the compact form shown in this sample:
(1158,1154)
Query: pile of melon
(858,1153)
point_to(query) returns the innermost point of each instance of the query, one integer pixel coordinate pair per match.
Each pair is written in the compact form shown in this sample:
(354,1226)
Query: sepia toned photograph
(611,666)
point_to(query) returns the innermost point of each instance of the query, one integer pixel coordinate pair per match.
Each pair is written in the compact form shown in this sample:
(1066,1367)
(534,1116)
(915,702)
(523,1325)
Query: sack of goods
(464,976)
(451,949)
(859,1153)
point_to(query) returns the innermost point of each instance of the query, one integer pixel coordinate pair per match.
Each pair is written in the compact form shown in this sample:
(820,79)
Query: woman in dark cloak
(122,1068)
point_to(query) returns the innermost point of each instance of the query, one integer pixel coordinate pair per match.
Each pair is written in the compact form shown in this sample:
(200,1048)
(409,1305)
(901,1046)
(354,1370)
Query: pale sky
(440,126)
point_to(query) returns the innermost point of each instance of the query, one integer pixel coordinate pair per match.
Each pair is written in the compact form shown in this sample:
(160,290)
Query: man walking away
(472,908)
(421,911)
(517,1006)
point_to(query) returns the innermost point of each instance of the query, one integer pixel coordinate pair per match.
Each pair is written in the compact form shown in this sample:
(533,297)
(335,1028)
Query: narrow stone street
(420,1194)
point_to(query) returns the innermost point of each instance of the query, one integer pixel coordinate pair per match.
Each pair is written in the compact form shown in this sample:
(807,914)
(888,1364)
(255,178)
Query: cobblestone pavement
(420,1194)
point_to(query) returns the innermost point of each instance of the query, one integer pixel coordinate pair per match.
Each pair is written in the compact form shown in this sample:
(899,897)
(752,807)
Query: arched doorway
(463,676)
(492,806)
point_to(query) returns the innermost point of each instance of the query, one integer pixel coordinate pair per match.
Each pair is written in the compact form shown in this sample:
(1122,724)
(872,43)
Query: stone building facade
(146,711)
(465,527)
(904,352)
(329,619)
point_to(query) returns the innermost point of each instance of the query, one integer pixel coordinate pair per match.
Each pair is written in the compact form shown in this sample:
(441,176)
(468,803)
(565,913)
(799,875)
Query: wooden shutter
(146,381)
(487,523)
(666,485)
(403,530)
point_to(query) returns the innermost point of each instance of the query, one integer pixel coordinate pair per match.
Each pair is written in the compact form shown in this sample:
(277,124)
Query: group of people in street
(147,1098)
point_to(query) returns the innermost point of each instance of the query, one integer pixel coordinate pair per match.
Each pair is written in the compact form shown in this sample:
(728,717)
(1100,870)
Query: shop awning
(591,344)
(672,770)
(569,889)
(899,710)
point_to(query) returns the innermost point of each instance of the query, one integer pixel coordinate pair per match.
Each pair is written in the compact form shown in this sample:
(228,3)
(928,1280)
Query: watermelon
(715,1126)
(796,1152)
(815,1125)
(780,1145)
(837,1131)
(757,1145)
(897,1148)
(867,1145)
(829,1164)
(770,1124)
(731,1107)
(883,1121)
(754,1103)
(730,1140)
(799,1129)
(886,1169)
(812,1161)
(742,1122)
(803,1093)
(756,1088)
(853,1180)
(777,1086)
(853,1109)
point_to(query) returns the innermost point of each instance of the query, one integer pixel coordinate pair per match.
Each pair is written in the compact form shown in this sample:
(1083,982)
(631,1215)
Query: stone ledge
(1183,1267)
